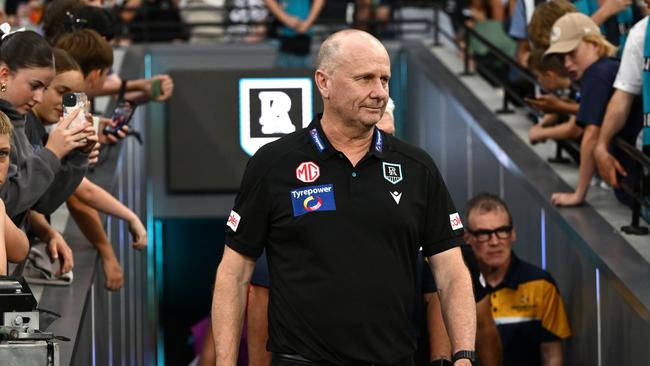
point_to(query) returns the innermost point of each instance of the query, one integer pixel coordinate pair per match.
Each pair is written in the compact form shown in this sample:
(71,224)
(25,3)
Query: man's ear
(322,83)
(93,76)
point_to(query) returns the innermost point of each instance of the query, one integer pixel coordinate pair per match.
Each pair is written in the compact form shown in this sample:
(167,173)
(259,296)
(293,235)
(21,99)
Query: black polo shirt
(342,242)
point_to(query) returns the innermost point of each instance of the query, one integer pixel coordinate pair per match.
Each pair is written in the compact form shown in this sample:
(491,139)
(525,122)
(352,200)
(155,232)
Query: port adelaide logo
(270,108)
(392,172)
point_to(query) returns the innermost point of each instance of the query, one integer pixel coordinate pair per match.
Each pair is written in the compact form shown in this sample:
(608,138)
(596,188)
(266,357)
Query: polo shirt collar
(322,145)
(511,280)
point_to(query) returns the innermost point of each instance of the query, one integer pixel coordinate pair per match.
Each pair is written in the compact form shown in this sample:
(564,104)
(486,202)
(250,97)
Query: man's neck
(352,140)
(494,276)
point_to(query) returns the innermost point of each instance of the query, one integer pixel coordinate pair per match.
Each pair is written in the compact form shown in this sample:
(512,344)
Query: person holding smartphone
(88,197)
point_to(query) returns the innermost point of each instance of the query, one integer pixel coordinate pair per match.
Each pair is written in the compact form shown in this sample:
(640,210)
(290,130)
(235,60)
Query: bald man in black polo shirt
(342,208)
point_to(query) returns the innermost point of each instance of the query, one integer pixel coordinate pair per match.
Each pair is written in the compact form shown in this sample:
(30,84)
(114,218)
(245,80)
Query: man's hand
(463,362)
(62,139)
(113,273)
(292,22)
(567,199)
(59,250)
(536,134)
(547,103)
(608,166)
(139,233)
(166,87)
(110,139)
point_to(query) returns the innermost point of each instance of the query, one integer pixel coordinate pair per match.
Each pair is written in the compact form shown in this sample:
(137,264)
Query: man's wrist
(464,357)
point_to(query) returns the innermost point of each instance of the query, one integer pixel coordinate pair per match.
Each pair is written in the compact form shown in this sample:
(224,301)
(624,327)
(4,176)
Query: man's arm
(585,171)
(551,353)
(488,340)
(228,304)
(618,110)
(457,299)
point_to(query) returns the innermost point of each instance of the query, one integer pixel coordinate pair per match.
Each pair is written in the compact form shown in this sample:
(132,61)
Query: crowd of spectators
(586,94)
(46,156)
(587,57)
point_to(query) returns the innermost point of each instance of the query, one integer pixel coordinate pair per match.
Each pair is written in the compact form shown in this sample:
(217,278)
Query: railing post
(505,108)
(635,228)
(466,58)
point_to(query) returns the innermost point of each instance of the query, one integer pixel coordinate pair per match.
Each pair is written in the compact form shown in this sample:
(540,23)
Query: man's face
(51,108)
(5,148)
(491,237)
(358,86)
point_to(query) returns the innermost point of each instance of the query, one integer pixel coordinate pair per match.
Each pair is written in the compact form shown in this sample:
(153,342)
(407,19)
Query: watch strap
(464,354)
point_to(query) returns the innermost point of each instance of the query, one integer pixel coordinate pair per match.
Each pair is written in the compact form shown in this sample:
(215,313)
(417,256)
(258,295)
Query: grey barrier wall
(602,279)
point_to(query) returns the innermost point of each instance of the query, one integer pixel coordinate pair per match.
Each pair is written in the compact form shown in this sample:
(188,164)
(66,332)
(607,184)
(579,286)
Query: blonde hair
(605,49)
(6,128)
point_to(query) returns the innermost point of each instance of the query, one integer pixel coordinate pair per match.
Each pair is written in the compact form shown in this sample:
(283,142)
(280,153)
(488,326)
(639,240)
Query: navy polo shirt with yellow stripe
(342,242)
(528,310)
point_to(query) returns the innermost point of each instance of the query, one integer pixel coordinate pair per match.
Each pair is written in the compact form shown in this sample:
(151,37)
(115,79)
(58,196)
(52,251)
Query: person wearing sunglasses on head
(526,303)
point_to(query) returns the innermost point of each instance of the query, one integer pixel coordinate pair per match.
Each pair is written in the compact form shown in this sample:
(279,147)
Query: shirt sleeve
(519,25)
(553,317)
(595,92)
(628,78)
(443,228)
(247,225)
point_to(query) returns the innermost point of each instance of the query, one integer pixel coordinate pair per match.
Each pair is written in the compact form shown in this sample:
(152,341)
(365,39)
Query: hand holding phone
(74,101)
(121,117)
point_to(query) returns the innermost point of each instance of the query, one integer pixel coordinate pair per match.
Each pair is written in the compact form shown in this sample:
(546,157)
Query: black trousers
(281,359)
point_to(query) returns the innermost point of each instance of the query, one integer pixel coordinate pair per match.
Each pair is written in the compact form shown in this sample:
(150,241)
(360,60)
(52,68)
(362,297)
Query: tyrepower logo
(307,172)
(454,220)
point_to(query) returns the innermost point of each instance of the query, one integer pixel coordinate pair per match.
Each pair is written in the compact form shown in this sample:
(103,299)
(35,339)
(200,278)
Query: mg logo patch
(307,172)
(392,172)
(271,108)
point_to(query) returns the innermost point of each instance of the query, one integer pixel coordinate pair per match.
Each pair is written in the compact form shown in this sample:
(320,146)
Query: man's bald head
(333,50)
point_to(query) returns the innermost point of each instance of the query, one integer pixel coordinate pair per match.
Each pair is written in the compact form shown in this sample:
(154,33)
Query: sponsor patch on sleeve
(454,220)
(315,198)
(233,220)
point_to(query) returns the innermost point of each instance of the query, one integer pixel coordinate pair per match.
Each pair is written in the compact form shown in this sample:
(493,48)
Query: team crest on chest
(392,172)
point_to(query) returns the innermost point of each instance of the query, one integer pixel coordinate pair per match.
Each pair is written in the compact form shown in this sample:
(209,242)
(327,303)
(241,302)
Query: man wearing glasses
(526,304)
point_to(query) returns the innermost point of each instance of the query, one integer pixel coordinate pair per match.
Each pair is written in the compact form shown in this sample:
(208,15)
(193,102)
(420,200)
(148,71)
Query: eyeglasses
(502,232)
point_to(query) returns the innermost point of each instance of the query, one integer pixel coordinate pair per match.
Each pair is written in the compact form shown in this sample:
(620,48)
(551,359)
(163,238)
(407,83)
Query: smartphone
(122,115)
(72,101)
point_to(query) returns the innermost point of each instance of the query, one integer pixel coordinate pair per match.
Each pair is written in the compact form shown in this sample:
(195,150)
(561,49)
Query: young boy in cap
(586,56)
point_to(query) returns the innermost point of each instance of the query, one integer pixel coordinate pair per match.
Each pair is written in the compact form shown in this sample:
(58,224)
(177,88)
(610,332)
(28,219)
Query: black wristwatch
(470,355)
